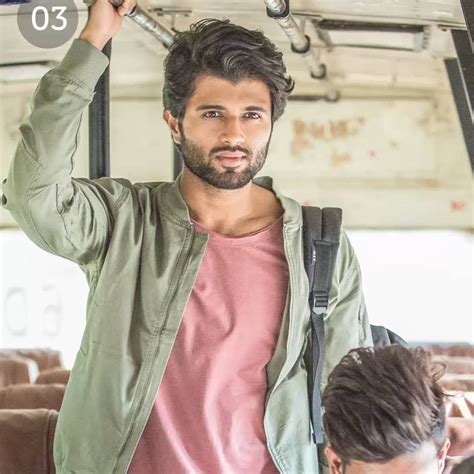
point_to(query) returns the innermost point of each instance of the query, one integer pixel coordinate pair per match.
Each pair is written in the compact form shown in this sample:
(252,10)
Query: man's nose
(231,133)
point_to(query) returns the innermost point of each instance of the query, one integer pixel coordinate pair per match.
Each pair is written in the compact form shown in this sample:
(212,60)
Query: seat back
(27,441)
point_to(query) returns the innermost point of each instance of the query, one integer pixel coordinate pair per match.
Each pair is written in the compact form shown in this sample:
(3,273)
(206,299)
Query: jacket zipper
(291,272)
(187,254)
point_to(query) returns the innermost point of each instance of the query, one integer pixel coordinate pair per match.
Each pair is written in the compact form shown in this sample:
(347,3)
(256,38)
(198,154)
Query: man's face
(426,460)
(225,133)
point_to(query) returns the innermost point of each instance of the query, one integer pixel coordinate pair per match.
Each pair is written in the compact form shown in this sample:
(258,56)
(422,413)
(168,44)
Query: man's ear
(173,125)
(334,461)
(442,453)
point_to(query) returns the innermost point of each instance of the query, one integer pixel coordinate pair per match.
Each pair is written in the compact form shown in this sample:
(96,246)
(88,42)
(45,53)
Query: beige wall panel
(380,208)
(388,163)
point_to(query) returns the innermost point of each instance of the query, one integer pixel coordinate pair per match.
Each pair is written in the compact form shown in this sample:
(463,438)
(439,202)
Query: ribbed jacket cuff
(85,62)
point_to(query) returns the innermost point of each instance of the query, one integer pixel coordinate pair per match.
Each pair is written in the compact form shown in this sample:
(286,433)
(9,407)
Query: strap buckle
(320,302)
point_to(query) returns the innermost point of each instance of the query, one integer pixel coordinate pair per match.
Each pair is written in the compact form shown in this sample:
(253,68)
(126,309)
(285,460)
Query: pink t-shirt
(208,414)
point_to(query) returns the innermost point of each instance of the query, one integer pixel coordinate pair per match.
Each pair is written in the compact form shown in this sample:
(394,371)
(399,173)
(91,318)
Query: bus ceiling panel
(445,11)
(138,56)
(439,11)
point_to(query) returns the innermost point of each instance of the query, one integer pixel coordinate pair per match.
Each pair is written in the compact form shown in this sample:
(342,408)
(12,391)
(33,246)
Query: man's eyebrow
(210,106)
(256,108)
(253,108)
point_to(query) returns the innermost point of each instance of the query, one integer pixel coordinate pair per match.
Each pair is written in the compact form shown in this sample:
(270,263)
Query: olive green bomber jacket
(140,253)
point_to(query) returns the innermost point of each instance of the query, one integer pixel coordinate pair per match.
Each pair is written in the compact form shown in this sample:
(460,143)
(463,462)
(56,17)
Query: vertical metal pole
(462,105)
(466,62)
(99,125)
(468,11)
(177,162)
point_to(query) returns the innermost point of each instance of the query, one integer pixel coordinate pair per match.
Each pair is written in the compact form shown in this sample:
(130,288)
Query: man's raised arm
(65,216)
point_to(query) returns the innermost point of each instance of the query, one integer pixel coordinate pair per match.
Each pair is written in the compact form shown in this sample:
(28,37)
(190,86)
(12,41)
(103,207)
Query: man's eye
(212,114)
(252,115)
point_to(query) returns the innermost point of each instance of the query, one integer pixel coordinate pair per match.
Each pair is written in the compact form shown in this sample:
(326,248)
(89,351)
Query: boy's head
(384,413)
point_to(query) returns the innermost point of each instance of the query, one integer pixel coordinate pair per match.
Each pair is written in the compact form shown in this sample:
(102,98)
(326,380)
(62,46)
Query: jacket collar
(177,207)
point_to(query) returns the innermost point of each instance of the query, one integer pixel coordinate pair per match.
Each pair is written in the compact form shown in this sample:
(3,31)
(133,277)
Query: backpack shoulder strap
(321,233)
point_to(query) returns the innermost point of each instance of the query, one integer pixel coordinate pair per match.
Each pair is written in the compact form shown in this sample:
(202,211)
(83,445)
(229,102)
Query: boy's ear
(334,461)
(173,125)
(442,453)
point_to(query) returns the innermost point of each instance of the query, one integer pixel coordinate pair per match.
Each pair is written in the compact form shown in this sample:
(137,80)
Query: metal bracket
(173,13)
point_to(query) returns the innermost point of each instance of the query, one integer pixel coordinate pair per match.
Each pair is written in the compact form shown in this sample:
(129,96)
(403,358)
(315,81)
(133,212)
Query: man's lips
(230,159)
(230,155)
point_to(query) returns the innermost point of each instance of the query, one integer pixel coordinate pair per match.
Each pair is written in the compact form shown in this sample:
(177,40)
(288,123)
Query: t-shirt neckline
(270,231)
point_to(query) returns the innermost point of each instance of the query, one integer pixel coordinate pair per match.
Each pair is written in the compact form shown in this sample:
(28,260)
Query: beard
(202,166)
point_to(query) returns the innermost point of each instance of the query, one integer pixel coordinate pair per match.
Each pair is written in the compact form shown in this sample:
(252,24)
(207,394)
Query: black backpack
(321,232)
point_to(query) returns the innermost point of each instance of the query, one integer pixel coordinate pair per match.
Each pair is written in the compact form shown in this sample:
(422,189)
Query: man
(385,413)
(203,277)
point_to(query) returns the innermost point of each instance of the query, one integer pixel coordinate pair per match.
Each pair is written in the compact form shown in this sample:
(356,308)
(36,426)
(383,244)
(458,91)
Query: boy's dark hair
(382,403)
(225,50)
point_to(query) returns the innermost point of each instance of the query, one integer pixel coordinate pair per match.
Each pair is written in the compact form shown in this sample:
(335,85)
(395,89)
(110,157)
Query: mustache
(231,150)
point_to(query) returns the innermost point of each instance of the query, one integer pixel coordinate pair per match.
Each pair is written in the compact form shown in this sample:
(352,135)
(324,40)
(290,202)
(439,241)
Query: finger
(123,9)
(127,6)
(131,5)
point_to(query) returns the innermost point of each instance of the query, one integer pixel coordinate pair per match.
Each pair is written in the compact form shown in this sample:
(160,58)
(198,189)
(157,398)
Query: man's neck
(229,212)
